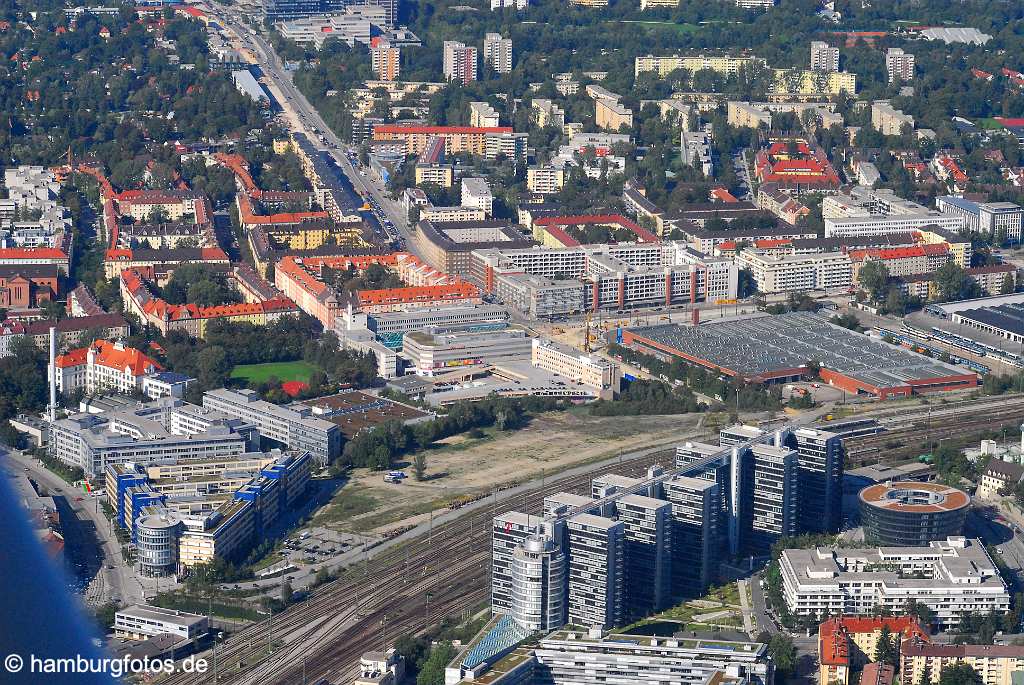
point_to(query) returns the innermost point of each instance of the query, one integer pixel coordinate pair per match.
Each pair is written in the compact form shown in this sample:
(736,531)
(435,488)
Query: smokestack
(53,374)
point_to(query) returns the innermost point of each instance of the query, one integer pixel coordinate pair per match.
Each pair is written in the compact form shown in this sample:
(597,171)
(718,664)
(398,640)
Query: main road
(304,118)
(120,582)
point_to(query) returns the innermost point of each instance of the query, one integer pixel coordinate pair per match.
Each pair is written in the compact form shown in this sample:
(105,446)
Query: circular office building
(156,544)
(911,514)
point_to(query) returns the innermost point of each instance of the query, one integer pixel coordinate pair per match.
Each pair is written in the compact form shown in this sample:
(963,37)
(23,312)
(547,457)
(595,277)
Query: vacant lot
(469,465)
(282,371)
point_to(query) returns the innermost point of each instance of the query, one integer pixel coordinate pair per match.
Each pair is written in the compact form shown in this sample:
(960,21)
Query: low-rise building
(880,224)
(887,120)
(587,369)
(141,621)
(145,434)
(998,476)
(447,246)
(352,26)
(780,203)
(433,353)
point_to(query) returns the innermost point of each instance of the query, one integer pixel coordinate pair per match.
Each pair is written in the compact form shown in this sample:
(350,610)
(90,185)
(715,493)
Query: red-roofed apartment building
(849,642)
(903,261)
(104,365)
(259,310)
(793,164)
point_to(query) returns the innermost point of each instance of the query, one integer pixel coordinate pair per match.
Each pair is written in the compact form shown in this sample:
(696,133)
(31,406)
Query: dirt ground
(464,465)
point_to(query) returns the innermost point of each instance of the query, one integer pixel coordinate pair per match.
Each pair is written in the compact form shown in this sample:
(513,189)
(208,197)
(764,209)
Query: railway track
(402,591)
(914,435)
(445,572)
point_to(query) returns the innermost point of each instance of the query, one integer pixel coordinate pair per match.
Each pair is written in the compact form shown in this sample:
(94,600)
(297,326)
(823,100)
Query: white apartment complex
(824,57)
(951,577)
(899,65)
(477,194)
(459,62)
(498,53)
(783,273)
(103,366)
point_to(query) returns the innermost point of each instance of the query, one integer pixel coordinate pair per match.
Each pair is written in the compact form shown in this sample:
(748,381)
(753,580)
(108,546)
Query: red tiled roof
(430,293)
(248,216)
(32,253)
(833,634)
(723,195)
(112,356)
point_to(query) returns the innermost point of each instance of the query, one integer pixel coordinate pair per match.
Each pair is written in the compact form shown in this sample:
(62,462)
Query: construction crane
(586,333)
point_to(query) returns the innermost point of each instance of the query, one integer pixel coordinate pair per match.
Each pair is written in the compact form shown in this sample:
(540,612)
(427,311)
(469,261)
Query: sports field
(283,371)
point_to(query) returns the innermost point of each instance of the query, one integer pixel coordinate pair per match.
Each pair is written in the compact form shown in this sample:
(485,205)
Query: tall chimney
(53,374)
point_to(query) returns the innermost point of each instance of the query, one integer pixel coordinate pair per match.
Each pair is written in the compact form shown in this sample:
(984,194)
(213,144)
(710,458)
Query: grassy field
(283,371)
(351,501)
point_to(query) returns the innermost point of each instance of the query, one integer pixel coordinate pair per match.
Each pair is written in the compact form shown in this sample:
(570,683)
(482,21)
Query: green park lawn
(283,371)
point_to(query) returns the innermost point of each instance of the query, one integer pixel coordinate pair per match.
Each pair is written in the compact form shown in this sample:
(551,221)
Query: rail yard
(443,574)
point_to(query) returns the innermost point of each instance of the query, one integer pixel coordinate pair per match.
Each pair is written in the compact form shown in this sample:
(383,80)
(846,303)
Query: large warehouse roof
(772,346)
(1005,317)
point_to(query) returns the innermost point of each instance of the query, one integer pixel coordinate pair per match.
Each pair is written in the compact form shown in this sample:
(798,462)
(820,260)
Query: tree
(782,652)
(52,309)
(896,301)
(419,465)
(953,283)
(960,674)
(874,278)
(287,593)
(1007,287)
(886,651)
(213,366)
(923,612)
(432,671)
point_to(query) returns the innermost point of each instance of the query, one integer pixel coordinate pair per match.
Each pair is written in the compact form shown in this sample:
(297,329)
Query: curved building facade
(156,544)
(911,514)
(538,584)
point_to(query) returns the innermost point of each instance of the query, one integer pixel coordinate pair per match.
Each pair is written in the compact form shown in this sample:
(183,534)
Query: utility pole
(270,631)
